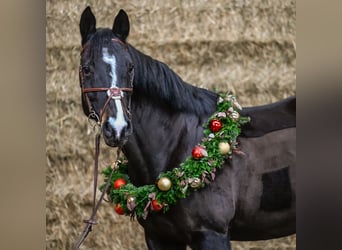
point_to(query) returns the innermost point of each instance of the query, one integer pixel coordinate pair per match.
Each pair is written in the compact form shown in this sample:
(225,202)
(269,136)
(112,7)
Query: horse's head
(106,76)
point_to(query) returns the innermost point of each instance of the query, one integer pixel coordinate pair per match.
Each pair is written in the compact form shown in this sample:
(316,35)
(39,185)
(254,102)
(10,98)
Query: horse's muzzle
(115,137)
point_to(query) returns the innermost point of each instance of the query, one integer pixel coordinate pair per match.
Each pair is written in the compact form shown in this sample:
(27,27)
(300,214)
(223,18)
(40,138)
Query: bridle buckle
(114,93)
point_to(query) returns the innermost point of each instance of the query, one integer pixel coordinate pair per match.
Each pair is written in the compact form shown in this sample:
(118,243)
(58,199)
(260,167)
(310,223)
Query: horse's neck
(160,141)
(165,126)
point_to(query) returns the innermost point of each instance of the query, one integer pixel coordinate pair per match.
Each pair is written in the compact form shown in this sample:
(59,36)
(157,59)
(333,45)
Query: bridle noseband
(114,93)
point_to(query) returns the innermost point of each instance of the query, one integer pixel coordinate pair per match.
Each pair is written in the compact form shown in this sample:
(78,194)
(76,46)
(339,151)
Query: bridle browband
(112,92)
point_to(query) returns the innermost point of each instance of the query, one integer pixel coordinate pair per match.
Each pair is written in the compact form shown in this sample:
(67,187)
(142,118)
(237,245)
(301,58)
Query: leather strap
(91,221)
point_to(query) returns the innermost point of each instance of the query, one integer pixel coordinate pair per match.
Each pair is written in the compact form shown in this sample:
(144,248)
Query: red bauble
(215,125)
(119,182)
(156,205)
(118,209)
(198,152)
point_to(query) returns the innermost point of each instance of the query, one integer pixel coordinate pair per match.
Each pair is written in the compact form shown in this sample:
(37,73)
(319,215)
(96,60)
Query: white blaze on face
(119,122)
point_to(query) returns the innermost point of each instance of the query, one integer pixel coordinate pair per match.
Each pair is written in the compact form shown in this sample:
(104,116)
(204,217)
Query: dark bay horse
(156,118)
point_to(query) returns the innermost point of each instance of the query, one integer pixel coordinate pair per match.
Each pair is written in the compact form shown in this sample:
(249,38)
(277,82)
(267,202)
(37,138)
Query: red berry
(156,205)
(118,183)
(118,209)
(215,125)
(197,152)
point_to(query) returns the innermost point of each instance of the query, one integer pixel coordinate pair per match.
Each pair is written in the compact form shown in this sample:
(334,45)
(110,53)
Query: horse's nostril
(107,129)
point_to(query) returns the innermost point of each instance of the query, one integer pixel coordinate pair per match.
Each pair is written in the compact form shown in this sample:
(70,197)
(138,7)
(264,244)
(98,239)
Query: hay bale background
(244,46)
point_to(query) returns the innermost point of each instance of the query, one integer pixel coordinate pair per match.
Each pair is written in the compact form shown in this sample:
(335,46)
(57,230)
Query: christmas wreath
(197,171)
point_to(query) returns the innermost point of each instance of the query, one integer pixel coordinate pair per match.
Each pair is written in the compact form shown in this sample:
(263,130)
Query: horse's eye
(86,70)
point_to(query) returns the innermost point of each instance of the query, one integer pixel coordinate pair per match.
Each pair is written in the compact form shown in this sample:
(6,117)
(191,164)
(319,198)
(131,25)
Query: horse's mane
(160,84)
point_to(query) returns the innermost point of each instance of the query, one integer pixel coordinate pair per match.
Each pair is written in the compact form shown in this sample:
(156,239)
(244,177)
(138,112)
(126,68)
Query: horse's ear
(87,24)
(121,25)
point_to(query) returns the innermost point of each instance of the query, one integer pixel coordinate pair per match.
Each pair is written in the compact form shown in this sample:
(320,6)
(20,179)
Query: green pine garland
(192,174)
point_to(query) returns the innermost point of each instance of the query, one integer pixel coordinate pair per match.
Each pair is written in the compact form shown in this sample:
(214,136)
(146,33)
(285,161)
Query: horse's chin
(114,142)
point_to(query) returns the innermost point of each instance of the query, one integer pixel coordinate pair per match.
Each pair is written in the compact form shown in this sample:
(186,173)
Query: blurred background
(244,46)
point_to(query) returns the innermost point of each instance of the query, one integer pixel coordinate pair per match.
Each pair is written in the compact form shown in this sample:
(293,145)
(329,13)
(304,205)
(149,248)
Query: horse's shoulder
(270,117)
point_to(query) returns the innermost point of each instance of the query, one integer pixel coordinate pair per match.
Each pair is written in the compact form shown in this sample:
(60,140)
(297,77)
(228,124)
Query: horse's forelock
(102,38)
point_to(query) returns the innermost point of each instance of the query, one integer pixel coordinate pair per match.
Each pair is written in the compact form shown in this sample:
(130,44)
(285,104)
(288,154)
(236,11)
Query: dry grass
(244,46)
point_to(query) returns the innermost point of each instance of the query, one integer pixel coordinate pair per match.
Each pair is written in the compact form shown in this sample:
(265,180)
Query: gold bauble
(224,147)
(196,183)
(131,203)
(234,115)
(164,184)
(130,199)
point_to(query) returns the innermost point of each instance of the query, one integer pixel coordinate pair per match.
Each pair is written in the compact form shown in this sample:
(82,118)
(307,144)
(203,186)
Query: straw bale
(244,46)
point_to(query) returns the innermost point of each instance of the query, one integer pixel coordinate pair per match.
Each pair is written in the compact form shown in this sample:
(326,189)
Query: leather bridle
(114,93)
